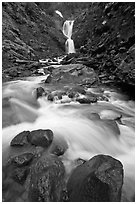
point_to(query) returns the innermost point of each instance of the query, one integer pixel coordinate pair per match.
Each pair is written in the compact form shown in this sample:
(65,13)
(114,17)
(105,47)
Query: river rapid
(88,130)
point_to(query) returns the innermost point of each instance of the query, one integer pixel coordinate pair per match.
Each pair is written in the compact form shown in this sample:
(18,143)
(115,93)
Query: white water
(86,136)
(67,31)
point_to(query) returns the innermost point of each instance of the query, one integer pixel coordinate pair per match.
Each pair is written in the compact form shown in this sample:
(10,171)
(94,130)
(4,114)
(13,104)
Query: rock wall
(103,32)
(29,32)
(108,36)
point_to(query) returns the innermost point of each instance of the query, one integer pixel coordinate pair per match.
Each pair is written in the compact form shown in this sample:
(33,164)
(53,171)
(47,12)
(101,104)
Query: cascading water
(85,134)
(67,31)
(87,130)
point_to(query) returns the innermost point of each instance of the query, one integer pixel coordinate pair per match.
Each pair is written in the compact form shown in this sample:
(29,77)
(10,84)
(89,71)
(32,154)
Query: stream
(88,129)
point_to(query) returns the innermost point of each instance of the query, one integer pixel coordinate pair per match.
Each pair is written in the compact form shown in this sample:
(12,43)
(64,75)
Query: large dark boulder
(98,180)
(41,137)
(40,92)
(46,179)
(20,139)
(74,73)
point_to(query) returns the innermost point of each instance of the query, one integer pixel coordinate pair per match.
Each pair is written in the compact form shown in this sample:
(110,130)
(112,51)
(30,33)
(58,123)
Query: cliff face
(106,32)
(29,32)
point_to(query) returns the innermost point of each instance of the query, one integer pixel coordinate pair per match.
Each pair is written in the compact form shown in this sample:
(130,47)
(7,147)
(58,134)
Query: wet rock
(68,58)
(20,139)
(22,160)
(74,73)
(78,89)
(40,92)
(58,147)
(34,65)
(48,79)
(102,98)
(58,150)
(126,69)
(98,180)
(41,137)
(11,190)
(89,81)
(46,181)
(87,100)
(59,94)
(50,97)
(71,94)
(20,174)
(83,100)
(49,69)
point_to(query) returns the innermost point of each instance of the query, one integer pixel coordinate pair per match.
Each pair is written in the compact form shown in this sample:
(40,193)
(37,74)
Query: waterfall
(67,31)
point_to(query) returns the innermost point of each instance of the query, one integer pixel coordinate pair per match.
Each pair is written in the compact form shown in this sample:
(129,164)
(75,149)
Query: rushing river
(87,129)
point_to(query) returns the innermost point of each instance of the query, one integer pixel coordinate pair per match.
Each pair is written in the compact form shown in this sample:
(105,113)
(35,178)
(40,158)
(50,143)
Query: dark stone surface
(58,150)
(87,100)
(48,79)
(58,147)
(78,89)
(20,139)
(46,182)
(76,74)
(50,97)
(99,179)
(41,137)
(40,92)
(27,32)
(22,160)
(20,174)
(109,38)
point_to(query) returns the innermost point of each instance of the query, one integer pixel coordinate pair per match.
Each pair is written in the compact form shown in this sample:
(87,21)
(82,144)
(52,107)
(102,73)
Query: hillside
(107,37)
(103,33)
(29,32)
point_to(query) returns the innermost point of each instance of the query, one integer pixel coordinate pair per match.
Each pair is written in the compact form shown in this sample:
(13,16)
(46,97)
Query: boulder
(71,94)
(41,137)
(58,147)
(20,139)
(87,100)
(74,73)
(48,79)
(78,89)
(22,160)
(58,93)
(46,179)
(20,174)
(39,92)
(98,180)
(89,81)
(83,100)
(50,97)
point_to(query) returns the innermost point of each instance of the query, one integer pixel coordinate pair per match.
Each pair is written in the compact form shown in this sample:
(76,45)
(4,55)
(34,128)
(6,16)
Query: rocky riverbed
(68,120)
(46,125)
